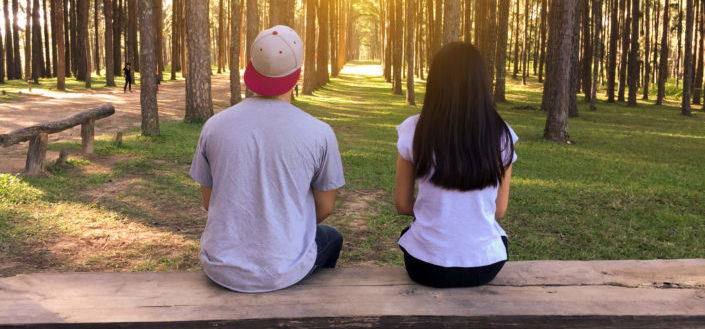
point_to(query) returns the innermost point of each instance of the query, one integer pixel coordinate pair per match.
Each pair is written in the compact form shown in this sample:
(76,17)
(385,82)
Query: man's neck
(283,97)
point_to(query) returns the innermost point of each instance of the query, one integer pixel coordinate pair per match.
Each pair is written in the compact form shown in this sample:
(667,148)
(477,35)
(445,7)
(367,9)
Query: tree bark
(235,88)
(199,104)
(586,75)
(58,11)
(451,21)
(697,86)
(83,71)
(625,50)
(133,55)
(159,37)
(117,36)
(397,50)
(687,59)
(96,55)
(663,64)
(525,43)
(409,50)
(323,52)
(542,46)
(47,48)
(389,41)
(253,30)
(176,37)
(486,34)
(148,79)
(501,63)
(310,49)
(596,49)
(516,37)
(16,39)
(9,48)
(557,85)
(633,79)
(647,49)
(221,36)
(109,60)
(575,65)
(2,62)
(28,41)
(333,18)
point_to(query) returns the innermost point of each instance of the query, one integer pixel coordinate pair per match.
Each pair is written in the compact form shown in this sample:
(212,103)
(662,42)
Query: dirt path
(50,106)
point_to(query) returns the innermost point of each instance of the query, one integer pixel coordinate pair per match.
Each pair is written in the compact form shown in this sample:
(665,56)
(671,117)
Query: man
(268,173)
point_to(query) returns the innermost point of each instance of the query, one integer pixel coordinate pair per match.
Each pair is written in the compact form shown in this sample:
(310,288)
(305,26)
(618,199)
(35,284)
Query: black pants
(450,277)
(128,82)
(329,243)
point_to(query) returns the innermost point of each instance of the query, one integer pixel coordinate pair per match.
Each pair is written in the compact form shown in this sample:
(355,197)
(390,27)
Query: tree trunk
(16,39)
(633,79)
(47,48)
(221,36)
(82,68)
(109,60)
(333,19)
(596,49)
(9,48)
(28,41)
(542,46)
(132,54)
(586,74)
(159,37)
(557,85)
(575,65)
(516,37)
(687,59)
(625,50)
(2,62)
(409,50)
(697,87)
(486,34)
(96,55)
(322,64)
(310,49)
(235,88)
(397,50)
(253,30)
(679,29)
(389,41)
(148,80)
(58,11)
(525,43)
(451,21)
(647,49)
(176,37)
(663,64)
(467,25)
(117,36)
(501,63)
(199,104)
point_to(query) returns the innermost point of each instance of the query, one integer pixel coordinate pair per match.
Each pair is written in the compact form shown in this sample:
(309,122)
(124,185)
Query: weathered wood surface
(36,154)
(21,135)
(535,294)
(87,136)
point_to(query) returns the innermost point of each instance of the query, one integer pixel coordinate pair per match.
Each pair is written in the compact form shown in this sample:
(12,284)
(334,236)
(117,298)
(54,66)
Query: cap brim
(267,86)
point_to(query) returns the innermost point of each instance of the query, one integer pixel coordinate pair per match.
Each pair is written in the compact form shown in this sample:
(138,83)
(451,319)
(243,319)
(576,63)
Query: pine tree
(199,104)
(148,59)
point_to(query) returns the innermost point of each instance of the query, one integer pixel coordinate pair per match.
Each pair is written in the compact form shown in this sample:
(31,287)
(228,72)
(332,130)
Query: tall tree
(83,71)
(687,59)
(73,31)
(16,39)
(322,51)
(647,48)
(409,50)
(389,40)
(575,65)
(451,21)
(253,30)
(148,80)
(625,50)
(58,11)
(68,44)
(37,45)
(176,36)
(132,54)
(117,36)
(2,62)
(557,85)
(515,34)
(96,26)
(235,88)
(221,35)
(663,64)
(525,43)
(47,48)
(596,49)
(333,36)
(310,49)
(586,74)
(109,60)
(9,52)
(697,86)
(159,37)
(397,65)
(467,18)
(634,55)
(199,104)
(543,35)
(28,41)
(501,63)
(486,33)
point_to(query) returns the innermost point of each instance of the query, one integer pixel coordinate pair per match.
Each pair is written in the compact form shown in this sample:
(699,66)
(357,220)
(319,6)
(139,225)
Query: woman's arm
(503,193)
(404,188)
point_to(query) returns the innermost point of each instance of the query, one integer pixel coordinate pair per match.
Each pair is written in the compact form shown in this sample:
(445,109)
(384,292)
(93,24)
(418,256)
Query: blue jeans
(329,243)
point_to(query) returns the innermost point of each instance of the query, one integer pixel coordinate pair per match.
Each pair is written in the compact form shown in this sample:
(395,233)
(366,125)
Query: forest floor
(629,189)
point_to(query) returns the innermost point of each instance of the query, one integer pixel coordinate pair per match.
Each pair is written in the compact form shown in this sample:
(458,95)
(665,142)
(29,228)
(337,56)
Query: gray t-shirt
(262,158)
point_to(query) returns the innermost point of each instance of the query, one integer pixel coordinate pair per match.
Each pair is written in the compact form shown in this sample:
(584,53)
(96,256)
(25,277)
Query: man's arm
(206,193)
(325,203)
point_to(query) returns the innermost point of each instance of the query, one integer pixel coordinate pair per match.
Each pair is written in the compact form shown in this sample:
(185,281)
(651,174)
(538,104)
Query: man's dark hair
(460,136)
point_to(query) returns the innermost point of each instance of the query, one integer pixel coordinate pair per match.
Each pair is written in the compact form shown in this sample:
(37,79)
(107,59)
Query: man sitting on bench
(268,173)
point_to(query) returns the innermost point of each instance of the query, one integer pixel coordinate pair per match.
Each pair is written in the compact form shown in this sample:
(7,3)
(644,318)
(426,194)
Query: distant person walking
(127,71)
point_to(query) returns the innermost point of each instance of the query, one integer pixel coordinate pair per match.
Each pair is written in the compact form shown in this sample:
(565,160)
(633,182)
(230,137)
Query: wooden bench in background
(37,135)
(531,294)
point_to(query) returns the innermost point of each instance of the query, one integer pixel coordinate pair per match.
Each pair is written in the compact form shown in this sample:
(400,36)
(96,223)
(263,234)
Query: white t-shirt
(452,228)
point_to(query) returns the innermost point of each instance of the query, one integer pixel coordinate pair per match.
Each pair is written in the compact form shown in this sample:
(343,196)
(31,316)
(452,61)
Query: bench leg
(36,154)
(87,134)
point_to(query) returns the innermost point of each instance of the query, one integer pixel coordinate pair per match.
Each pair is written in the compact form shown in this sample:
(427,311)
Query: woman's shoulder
(409,125)
(515,138)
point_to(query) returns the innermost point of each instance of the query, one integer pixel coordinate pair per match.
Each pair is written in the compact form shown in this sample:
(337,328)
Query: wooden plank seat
(530,294)
(37,135)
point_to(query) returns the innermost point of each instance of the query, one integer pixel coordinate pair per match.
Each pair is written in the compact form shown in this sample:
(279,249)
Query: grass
(628,189)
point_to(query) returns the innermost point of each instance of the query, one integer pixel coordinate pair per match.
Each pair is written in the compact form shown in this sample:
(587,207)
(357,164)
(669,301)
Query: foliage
(14,190)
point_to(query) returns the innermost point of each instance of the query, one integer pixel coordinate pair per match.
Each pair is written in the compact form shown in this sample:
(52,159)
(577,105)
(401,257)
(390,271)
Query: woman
(461,153)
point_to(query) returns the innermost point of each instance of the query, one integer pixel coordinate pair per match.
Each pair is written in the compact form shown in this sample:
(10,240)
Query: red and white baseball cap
(275,61)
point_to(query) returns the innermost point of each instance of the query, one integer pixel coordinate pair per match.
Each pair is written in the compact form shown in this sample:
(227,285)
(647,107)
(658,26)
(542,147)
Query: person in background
(460,152)
(269,173)
(127,73)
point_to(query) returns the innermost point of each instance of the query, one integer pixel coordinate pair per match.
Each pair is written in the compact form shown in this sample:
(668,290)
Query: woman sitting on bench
(461,153)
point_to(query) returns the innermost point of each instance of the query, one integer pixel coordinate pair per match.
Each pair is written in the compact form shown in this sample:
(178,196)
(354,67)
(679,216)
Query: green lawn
(629,189)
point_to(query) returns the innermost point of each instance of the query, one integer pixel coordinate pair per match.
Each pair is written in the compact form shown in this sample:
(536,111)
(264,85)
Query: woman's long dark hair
(460,136)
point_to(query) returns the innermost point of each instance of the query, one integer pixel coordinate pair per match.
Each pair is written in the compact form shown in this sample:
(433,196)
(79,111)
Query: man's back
(262,158)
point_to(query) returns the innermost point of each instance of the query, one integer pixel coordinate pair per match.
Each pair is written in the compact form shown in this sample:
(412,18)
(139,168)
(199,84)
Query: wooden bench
(38,135)
(532,294)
